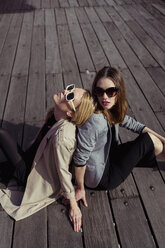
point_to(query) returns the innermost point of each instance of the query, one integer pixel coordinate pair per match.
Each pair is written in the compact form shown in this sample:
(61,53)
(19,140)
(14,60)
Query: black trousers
(124,157)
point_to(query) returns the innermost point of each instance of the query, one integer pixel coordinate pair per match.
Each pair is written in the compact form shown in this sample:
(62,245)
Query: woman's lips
(105,103)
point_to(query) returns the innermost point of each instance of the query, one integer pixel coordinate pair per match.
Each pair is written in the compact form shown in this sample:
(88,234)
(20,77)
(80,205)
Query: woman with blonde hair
(100,162)
(49,178)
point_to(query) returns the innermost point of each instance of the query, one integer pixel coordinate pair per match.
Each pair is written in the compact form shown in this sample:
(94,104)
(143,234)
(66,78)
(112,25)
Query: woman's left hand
(75,216)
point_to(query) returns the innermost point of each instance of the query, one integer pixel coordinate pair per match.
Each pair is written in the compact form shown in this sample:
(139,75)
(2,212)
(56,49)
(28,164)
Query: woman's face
(105,101)
(61,104)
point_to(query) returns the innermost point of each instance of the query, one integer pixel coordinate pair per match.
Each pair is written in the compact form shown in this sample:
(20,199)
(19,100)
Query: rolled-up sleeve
(133,125)
(87,136)
(63,153)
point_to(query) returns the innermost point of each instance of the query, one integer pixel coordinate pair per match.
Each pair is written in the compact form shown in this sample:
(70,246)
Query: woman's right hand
(75,215)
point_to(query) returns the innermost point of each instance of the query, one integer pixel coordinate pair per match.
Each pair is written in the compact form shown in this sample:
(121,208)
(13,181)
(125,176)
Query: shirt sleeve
(87,136)
(133,125)
(63,152)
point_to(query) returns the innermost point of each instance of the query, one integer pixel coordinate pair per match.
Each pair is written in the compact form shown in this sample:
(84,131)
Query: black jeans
(124,157)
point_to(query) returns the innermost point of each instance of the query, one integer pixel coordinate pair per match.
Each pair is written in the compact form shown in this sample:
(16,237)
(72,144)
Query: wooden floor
(46,44)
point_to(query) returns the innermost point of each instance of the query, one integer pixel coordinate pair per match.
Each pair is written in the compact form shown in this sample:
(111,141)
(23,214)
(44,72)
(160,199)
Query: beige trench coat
(49,177)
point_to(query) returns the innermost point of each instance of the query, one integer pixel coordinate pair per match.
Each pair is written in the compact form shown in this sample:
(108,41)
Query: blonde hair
(84,110)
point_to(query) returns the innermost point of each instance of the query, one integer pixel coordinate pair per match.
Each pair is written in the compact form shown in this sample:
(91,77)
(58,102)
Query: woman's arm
(63,155)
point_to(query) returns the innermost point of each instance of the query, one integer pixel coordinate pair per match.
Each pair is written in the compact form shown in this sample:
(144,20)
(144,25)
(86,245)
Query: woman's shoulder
(96,121)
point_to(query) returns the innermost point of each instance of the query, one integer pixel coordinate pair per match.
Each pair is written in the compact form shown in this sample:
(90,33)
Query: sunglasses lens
(70,87)
(70,96)
(99,91)
(111,91)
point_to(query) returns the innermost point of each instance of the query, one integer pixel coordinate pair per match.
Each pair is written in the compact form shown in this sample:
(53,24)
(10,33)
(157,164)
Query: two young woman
(50,157)
(100,162)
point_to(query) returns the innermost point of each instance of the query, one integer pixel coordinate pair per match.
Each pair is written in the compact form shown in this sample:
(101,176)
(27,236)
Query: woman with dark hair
(50,157)
(100,162)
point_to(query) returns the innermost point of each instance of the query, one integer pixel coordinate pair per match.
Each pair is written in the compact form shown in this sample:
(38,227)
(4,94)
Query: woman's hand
(80,195)
(75,215)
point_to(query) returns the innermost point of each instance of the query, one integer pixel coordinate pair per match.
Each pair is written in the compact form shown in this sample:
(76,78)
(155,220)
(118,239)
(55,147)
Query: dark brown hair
(117,113)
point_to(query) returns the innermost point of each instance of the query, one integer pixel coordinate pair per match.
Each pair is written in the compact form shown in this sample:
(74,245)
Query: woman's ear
(70,113)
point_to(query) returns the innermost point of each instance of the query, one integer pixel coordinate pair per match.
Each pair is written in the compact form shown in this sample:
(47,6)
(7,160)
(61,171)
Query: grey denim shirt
(93,145)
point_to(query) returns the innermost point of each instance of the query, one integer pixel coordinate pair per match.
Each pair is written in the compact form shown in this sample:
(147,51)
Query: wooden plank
(112,2)
(98,224)
(73,3)
(100,2)
(14,111)
(69,64)
(35,4)
(60,16)
(60,230)
(141,52)
(159,7)
(154,12)
(82,54)
(152,47)
(36,85)
(24,47)
(131,223)
(139,105)
(53,61)
(92,2)
(54,3)
(158,76)
(9,50)
(87,79)
(45,4)
(156,36)
(137,69)
(83,3)
(81,15)
(151,188)
(31,231)
(6,229)
(54,84)
(161,118)
(108,45)
(4,27)
(64,3)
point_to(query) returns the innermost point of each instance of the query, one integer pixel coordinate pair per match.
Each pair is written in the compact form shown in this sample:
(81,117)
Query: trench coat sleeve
(63,152)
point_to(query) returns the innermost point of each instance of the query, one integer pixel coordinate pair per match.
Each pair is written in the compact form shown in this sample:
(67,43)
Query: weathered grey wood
(153,48)
(160,8)
(81,15)
(31,231)
(111,2)
(154,12)
(161,118)
(151,188)
(6,229)
(83,3)
(15,106)
(64,3)
(53,61)
(60,229)
(24,46)
(4,27)
(35,104)
(141,52)
(60,16)
(69,64)
(45,4)
(156,36)
(87,79)
(92,2)
(54,3)
(158,76)
(82,53)
(101,2)
(131,223)
(109,48)
(73,3)
(137,69)
(35,4)
(54,84)
(98,225)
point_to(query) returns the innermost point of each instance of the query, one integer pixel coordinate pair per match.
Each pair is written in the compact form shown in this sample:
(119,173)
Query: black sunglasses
(111,92)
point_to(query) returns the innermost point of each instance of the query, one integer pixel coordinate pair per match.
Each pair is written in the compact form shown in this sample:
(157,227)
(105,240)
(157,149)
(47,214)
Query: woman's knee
(158,145)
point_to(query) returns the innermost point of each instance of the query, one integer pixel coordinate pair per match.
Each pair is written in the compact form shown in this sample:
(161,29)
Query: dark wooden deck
(45,44)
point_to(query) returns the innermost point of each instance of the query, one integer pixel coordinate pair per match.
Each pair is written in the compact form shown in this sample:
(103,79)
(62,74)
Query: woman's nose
(105,95)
